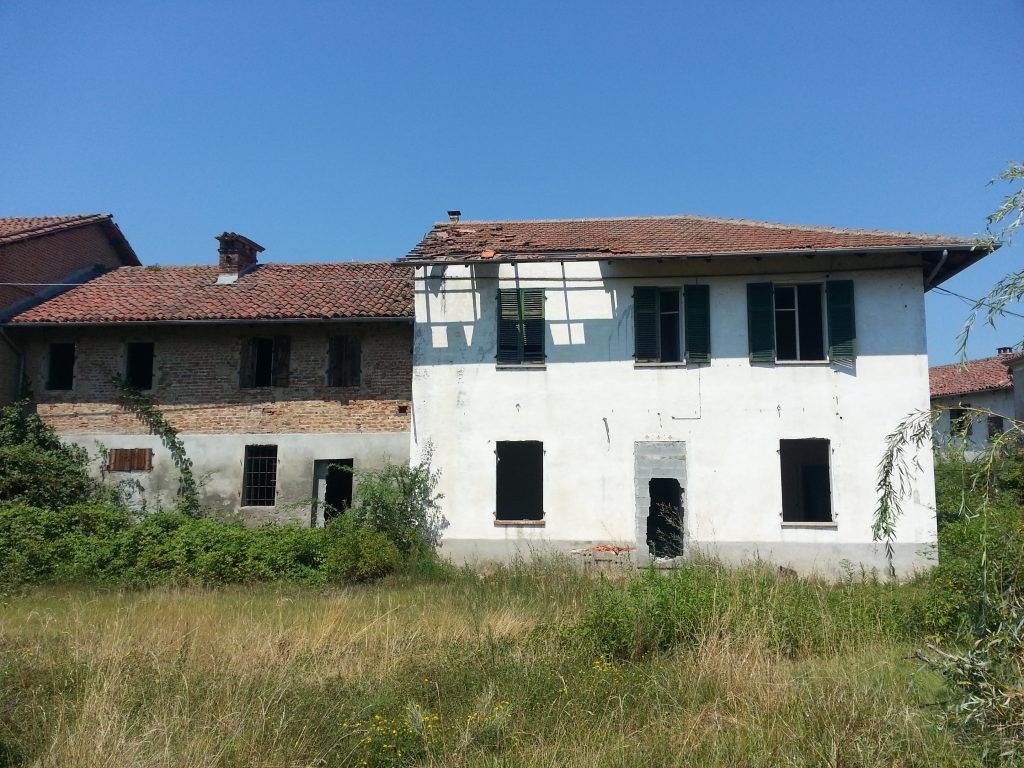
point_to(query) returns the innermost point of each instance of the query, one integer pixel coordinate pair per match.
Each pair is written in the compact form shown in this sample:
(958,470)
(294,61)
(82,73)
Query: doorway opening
(665,517)
(332,479)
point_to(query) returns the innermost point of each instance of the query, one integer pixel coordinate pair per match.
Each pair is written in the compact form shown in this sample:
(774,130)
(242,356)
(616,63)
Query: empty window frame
(343,361)
(670,326)
(60,373)
(519,481)
(961,424)
(130,459)
(520,326)
(806,481)
(790,322)
(259,476)
(996,426)
(138,364)
(264,362)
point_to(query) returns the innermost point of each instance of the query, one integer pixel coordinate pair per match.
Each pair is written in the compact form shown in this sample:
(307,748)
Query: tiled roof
(265,292)
(22,227)
(650,236)
(984,375)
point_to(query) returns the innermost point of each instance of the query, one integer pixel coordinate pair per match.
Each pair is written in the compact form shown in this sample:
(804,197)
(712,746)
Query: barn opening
(519,481)
(333,488)
(665,517)
(806,486)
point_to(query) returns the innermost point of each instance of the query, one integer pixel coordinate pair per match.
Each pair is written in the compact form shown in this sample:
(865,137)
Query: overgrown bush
(354,551)
(36,468)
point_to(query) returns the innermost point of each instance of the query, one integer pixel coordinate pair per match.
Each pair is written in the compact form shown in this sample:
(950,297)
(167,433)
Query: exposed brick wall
(51,257)
(196,379)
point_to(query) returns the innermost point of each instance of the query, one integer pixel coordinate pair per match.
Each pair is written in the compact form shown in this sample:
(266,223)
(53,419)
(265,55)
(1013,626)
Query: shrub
(354,551)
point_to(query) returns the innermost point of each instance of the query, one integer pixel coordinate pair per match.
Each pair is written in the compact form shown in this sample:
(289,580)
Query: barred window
(259,476)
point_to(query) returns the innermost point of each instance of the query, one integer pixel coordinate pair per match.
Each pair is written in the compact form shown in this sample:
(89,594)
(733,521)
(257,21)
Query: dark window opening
(657,325)
(344,361)
(799,326)
(337,488)
(520,481)
(61,371)
(265,362)
(996,426)
(138,367)
(129,459)
(521,325)
(665,518)
(259,476)
(961,424)
(806,487)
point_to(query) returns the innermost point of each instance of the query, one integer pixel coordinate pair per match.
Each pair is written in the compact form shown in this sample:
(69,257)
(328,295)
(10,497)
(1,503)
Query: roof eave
(209,321)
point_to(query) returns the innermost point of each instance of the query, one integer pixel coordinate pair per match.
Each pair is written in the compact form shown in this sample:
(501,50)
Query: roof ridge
(1000,357)
(715,219)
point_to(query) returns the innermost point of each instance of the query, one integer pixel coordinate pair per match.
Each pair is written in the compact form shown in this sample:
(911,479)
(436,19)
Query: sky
(335,131)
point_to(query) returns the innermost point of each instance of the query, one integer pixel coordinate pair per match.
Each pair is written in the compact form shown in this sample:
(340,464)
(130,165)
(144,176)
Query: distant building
(984,383)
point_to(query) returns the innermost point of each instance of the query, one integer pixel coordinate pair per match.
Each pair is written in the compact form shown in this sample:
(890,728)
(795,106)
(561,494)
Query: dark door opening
(520,481)
(333,486)
(665,518)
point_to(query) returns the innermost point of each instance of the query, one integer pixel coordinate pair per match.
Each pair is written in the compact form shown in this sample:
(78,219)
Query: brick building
(274,375)
(37,254)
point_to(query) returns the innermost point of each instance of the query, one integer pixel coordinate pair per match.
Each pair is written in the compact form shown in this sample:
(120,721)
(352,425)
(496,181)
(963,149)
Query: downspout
(21,363)
(935,269)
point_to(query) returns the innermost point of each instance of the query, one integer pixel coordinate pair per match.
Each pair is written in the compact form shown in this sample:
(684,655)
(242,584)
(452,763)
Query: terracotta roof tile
(14,228)
(984,375)
(649,236)
(265,292)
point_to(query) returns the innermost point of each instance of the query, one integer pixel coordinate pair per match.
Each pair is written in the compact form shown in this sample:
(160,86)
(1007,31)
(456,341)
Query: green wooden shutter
(697,313)
(282,360)
(761,322)
(508,326)
(247,364)
(645,323)
(842,324)
(532,305)
(353,361)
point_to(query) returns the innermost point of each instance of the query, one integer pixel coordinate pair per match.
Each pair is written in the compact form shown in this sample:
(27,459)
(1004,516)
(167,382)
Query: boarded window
(130,459)
(138,368)
(61,370)
(521,325)
(788,322)
(264,362)
(520,481)
(259,476)
(343,361)
(806,483)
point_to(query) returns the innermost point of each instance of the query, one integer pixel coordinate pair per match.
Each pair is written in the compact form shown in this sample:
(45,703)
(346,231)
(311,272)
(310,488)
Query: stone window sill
(831,525)
(521,523)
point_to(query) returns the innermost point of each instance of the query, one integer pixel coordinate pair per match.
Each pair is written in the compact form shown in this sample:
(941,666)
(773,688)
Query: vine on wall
(142,406)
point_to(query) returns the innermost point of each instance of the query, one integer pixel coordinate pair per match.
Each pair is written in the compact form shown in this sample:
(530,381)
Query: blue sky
(328,130)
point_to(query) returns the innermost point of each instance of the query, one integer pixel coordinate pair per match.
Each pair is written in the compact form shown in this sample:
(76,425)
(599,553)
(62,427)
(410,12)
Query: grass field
(462,671)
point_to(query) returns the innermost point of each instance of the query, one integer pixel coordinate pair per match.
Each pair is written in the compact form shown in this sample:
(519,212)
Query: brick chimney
(236,254)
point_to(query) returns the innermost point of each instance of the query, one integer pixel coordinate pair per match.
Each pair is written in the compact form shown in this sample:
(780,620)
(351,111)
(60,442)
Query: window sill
(521,523)
(521,366)
(677,364)
(831,525)
(802,362)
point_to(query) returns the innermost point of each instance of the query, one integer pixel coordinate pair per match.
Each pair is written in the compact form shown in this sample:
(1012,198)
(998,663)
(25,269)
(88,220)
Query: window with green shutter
(520,326)
(697,305)
(787,322)
(658,323)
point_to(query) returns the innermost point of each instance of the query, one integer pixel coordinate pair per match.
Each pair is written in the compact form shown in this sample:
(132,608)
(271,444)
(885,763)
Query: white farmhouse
(986,384)
(673,384)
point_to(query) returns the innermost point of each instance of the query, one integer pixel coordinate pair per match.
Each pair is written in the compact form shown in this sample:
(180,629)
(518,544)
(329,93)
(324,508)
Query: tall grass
(459,670)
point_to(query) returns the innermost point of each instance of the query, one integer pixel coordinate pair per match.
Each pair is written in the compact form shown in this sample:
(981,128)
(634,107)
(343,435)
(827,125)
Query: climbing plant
(144,407)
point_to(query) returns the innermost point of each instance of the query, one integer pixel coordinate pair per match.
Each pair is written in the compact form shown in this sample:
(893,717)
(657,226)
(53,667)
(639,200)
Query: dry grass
(467,672)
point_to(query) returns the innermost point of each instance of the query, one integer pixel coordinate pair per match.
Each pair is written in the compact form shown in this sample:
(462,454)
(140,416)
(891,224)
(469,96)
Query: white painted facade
(1000,402)
(590,405)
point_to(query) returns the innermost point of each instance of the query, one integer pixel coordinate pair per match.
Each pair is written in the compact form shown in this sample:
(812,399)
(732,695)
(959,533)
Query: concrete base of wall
(829,561)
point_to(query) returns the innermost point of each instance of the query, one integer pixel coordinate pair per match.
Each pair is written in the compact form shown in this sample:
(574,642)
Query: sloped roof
(17,228)
(984,375)
(662,236)
(264,292)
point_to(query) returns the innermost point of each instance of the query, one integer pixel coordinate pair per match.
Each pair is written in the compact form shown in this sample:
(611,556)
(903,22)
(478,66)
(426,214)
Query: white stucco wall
(999,402)
(218,458)
(591,403)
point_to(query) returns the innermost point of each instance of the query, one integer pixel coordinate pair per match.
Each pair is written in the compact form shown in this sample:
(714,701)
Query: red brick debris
(649,236)
(265,292)
(984,375)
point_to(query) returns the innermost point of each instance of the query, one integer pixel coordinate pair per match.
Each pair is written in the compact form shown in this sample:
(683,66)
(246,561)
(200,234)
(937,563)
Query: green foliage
(36,468)
(655,611)
(144,407)
(401,501)
(354,551)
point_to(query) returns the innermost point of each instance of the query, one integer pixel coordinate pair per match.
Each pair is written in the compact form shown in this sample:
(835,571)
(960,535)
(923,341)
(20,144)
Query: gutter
(935,269)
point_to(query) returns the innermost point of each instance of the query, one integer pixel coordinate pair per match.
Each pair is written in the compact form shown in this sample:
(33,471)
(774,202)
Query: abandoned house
(987,383)
(277,377)
(673,384)
(42,255)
